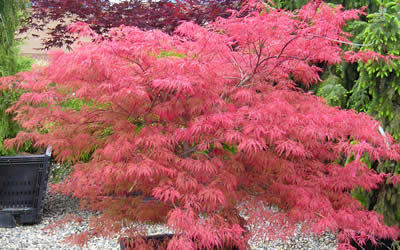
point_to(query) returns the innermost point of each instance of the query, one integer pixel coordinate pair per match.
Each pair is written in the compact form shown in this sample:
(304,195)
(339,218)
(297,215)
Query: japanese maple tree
(106,14)
(211,123)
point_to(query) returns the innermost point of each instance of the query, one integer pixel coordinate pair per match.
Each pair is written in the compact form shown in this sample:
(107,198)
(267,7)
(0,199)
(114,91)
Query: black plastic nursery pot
(23,183)
(158,242)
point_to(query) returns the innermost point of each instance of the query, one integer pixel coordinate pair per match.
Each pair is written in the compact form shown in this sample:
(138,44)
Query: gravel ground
(33,237)
(57,206)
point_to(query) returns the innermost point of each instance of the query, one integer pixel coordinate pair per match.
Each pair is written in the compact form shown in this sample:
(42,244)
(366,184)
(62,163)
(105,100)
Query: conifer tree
(11,14)
(372,5)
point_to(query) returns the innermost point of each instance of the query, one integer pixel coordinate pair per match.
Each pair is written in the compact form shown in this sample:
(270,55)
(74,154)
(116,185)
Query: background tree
(103,15)
(372,5)
(11,14)
(211,124)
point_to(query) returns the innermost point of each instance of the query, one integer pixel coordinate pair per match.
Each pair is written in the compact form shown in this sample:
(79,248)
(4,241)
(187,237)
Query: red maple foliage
(106,14)
(210,122)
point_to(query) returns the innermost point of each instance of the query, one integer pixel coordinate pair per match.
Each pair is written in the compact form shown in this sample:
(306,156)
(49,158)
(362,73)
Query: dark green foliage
(333,91)
(380,81)
(11,62)
(347,4)
(290,4)
(372,5)
(11,12)
(8,128)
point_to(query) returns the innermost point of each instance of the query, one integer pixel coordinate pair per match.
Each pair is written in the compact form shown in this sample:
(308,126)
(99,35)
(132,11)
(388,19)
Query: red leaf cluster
(210,122)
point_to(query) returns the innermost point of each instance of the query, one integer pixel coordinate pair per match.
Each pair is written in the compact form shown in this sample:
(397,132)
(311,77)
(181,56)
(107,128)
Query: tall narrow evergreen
(11,14)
